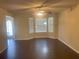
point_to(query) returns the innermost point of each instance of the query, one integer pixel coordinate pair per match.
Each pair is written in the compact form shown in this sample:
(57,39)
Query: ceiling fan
(44,5)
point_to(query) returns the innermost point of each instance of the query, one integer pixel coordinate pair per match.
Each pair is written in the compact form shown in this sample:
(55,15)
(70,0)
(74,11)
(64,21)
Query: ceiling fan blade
(39,7)
(30,8)
(45,4)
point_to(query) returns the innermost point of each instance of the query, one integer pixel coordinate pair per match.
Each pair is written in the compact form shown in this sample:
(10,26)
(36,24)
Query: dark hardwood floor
(37,49)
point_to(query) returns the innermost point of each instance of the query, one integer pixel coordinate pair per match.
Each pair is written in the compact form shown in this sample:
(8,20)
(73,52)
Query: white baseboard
(70,46)
(2,50)
(53,37)
(29,38)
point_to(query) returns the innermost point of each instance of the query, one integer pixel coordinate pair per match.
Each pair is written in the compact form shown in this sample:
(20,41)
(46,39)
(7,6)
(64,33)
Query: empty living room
(39,29)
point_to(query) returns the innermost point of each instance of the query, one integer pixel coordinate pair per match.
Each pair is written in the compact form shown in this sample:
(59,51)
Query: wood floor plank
(37,49)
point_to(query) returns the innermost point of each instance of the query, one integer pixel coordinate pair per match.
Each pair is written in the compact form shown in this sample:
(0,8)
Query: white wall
(69,27)
(3,13)
(21,27)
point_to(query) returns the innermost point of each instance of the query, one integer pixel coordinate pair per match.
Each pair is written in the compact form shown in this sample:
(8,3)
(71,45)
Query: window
(41,25)
(31,25)
(50,24)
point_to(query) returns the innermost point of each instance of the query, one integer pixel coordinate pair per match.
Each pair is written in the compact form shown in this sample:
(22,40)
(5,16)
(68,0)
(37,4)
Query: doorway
(9,27)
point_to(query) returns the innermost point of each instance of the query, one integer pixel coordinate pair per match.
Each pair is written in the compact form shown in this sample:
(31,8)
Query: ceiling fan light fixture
(40,13)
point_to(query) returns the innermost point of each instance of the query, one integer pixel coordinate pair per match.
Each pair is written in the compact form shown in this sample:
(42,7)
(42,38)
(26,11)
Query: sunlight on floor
(11,48)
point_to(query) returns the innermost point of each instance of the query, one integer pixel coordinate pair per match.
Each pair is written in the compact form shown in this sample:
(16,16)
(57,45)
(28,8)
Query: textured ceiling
(22,6)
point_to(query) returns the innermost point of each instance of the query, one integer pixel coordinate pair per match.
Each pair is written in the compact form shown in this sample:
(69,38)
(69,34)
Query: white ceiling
(22,6)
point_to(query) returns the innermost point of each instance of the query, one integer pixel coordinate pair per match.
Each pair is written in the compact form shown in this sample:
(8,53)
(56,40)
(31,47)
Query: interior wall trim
(29,38)
(53,37)
(2,50)
(69,46)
